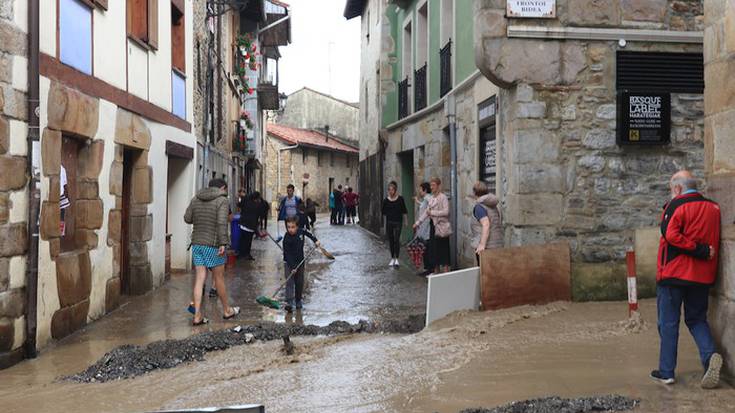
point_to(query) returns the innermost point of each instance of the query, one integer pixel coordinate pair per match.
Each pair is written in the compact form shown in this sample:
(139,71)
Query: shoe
(212,292)
(656,375)
(288,308)
(711,378)
(191,308)
(396,263)
(392,261)
(235,312)
(299,305)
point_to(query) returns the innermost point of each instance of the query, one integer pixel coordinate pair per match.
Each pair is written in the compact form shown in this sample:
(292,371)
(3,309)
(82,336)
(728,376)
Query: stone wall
(309,109)
(13,181)
(293,169)
(427,138)
(564,175)
(719,60)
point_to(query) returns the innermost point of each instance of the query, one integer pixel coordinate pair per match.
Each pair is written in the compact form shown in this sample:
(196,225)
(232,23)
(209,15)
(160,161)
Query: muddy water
(466,360)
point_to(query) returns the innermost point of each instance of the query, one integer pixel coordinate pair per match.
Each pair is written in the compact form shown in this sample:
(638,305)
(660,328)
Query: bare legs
(218,276)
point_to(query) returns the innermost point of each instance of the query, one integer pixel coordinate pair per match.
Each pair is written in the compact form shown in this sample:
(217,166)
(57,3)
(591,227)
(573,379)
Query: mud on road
(609,403)
(129,361)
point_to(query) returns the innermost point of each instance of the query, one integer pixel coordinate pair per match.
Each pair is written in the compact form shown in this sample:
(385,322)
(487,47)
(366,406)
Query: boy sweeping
(293,254)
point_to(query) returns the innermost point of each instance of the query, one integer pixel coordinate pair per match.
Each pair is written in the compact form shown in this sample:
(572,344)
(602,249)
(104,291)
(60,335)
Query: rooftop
(310,138)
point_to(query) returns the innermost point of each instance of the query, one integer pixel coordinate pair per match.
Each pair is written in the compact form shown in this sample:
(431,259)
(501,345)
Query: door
(128,159)
(407,191)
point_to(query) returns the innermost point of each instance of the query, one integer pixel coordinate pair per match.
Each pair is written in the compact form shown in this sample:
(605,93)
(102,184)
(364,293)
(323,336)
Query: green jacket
(208,211)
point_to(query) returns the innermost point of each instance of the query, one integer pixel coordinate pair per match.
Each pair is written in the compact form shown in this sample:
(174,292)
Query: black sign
(643,118)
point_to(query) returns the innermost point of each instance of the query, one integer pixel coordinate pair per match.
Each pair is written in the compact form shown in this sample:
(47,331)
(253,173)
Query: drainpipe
(285,148)
(451,109)
(34,191)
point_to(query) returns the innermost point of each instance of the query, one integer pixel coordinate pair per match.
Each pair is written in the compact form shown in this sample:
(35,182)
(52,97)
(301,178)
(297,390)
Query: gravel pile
(130,361)
(609,403)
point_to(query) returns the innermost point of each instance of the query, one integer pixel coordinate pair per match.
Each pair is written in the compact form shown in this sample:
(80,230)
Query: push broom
(271,301)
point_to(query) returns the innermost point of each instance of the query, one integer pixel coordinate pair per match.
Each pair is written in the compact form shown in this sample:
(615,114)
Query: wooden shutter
(153,23)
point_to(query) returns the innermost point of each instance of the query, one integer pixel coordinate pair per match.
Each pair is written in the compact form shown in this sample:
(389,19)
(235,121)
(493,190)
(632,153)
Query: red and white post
(632,283)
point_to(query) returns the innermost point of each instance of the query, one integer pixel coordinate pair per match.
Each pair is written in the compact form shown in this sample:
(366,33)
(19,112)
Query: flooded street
(463,361)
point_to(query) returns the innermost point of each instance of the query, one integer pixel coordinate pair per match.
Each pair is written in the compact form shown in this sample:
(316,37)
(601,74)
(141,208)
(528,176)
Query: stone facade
(719,60)
(321,165)
(13,182)
(309,109)
(562,174)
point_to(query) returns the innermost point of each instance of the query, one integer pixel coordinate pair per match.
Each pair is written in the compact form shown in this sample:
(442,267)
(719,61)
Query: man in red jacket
(687,266)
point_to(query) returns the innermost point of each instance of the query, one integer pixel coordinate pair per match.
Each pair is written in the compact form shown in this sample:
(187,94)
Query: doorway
(407,190)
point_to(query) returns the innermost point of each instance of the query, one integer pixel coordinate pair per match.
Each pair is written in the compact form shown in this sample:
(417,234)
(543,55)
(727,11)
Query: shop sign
(539,9)
(643,118)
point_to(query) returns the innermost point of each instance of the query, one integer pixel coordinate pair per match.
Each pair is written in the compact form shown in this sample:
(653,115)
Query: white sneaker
(397,263)
(711,378)
(392,260)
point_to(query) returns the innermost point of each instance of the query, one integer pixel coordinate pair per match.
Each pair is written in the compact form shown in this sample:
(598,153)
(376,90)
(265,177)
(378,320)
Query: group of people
(686,266)
(433,226)
(343,206)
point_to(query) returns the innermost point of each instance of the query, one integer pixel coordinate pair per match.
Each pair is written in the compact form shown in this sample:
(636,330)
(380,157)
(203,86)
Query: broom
(271,301)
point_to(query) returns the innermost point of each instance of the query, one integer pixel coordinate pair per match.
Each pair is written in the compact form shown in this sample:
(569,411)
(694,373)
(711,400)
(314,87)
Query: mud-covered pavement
(465,361)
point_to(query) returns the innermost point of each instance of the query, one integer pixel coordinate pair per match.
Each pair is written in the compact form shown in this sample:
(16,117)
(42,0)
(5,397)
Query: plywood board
(535,274)
(452,291)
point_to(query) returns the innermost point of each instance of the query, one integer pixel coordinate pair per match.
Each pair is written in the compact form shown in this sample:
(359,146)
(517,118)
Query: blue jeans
(669,301)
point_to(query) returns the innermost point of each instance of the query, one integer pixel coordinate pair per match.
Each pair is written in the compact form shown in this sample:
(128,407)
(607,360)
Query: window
(447,21)
(142,21)
(347,161)
(199,65)
(407,50)
(422,34)
(178,94)
(75,35)
(178,45)
(319,158)
(304,155)
(331,158)
(367,28)
(367,102)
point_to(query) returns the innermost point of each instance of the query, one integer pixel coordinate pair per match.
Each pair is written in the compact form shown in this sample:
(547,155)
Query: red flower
(255,47)
(250,91)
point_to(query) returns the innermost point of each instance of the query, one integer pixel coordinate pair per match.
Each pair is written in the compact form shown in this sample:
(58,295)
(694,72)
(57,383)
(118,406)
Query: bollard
(632,283)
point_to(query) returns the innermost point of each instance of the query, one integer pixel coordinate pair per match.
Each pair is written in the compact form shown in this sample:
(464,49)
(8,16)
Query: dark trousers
(669,301)
(341,215)
(333,216)
(428,256)
(246,242)
(295,285)
(312,219)
(393,229)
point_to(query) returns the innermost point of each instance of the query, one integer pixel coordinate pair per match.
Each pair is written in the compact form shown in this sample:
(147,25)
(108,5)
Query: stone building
(314,162)
(13,180)
(719,143)
(565,170)
(418,68)
(114,119)
(533,105)
(308,109)
(235,84)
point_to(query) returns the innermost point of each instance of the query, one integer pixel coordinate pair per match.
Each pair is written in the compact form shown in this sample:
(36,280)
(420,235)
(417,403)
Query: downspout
(450,109)
(34,152)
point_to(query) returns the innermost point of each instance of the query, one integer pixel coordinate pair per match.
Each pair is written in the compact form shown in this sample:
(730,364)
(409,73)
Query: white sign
(544,9)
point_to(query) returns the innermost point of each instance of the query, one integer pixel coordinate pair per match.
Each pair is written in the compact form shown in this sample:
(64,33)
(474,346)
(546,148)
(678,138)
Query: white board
(452,291)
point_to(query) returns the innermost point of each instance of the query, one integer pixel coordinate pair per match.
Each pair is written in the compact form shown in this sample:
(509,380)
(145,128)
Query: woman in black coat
(251,209)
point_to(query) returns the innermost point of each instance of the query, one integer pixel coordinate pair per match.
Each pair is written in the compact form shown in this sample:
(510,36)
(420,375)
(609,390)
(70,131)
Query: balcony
(403,98)
(445,69)
(268,96)
(419,88)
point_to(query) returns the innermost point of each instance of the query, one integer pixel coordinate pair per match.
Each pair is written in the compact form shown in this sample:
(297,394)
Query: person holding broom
(293,254)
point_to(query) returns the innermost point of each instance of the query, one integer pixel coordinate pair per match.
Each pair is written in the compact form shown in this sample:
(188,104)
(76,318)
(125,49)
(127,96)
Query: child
(293,254)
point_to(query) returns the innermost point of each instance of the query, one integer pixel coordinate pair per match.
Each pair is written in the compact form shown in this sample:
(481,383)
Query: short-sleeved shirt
(479,212)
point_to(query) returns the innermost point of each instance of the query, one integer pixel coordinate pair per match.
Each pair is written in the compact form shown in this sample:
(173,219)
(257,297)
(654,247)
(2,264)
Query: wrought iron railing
(419,88)
(445,68)
(403,98)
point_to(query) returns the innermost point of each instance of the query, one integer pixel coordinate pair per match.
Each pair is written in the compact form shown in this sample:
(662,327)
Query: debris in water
(237,329)
(609,403)
(287,345)
(130,361)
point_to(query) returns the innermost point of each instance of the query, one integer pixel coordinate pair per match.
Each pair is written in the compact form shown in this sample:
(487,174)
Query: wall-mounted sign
(643,118)
(539,9)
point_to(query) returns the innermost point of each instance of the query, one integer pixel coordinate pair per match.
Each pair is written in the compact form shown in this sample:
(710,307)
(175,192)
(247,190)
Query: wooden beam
(178,150)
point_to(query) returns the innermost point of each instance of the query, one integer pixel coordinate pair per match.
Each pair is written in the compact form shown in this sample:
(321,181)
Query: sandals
(201,322)
(235,312)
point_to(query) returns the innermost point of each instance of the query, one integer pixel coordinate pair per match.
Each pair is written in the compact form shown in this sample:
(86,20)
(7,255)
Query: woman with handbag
(440,229)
